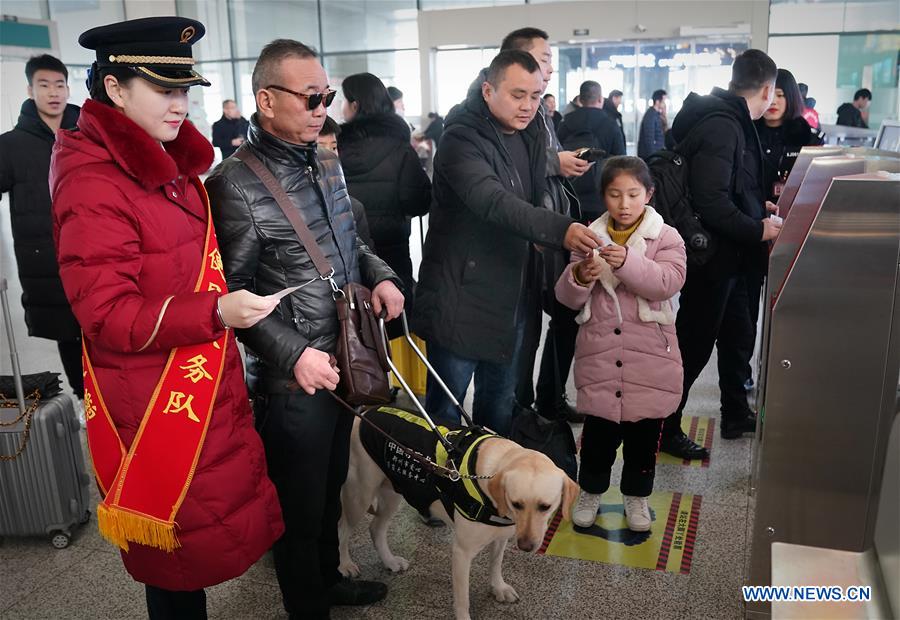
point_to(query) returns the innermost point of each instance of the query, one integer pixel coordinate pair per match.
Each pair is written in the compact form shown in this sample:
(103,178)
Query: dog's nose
(525,544)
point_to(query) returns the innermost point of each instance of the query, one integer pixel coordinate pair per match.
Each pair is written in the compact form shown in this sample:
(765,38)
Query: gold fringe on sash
(121,526)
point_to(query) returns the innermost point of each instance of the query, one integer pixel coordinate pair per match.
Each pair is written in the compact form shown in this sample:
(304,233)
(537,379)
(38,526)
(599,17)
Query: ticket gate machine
(798,173)
(831,360)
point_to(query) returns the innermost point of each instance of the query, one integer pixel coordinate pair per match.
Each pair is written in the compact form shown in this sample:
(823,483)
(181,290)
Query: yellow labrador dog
(524,490)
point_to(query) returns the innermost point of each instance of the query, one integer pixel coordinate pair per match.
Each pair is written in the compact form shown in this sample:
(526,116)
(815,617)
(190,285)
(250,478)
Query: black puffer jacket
(725,180)
(261,251)
(781,146)
(383,172)
(24,171)
(591,127)
(479,232)
(559,197)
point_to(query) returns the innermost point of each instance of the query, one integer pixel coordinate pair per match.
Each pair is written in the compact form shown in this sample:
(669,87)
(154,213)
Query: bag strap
(326,271)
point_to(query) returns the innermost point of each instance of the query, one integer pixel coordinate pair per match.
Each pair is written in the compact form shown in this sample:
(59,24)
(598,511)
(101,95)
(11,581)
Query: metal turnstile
(805,189)
(831,361)
(798,173)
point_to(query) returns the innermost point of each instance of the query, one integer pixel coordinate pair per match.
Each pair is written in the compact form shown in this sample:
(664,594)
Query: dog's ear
(497,491)
(569,496)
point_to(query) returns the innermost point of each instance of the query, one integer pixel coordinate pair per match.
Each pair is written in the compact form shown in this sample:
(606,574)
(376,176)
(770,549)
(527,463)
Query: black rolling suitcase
(43,481)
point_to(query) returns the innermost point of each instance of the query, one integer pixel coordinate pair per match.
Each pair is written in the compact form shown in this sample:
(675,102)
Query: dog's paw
(505,593)
(349,569)
(396,564)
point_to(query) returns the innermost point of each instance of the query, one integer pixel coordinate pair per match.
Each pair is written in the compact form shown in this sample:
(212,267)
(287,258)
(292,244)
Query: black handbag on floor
(552,437)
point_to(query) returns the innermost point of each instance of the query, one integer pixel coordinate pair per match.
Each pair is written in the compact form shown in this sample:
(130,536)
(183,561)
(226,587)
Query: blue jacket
(652,137)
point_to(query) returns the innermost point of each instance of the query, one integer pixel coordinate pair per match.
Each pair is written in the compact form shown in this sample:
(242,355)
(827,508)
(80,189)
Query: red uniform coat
(130,231)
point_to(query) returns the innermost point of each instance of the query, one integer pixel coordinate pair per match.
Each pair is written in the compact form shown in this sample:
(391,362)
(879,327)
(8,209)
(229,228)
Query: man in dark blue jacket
(489,176)
(717,134)
(653,126)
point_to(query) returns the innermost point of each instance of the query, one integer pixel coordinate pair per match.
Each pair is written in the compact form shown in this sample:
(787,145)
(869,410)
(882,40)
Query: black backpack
(670,170)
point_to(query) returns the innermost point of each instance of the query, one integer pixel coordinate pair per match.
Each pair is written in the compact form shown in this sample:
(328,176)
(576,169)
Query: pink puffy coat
(627,361)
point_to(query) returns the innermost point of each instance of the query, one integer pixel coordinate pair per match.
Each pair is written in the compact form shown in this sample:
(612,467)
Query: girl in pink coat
(627,363)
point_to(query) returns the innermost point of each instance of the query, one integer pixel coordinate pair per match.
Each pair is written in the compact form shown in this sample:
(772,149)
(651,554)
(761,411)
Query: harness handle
(408,337)
(450,473)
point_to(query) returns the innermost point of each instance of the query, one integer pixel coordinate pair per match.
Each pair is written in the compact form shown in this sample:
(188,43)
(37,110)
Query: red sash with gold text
(144,486)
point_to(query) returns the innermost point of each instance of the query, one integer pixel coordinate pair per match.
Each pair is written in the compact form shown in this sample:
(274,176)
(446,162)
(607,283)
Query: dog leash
(451,473)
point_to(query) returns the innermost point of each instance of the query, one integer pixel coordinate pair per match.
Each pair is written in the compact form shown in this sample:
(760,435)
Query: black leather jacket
(261,251)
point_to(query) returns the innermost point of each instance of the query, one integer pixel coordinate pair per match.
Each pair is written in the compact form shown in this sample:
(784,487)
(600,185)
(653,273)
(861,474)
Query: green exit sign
(18,34)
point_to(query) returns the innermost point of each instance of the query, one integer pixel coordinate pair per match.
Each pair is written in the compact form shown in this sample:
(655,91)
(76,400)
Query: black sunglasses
(312,101)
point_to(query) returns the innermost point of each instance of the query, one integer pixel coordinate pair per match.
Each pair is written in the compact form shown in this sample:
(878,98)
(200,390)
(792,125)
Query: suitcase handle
(13,353)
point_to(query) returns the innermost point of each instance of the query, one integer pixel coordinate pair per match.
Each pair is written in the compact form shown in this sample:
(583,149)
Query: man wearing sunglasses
(305,432)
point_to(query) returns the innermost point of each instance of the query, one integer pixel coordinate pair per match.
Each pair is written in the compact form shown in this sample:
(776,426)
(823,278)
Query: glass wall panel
(78,91)
(711,64)
(350,25)
(213,14)
(657,71)
(639,68)
(245,96)
(455,70)
(206,102)
(400,69)
(869,61)
(257,22)
(433,5)
(568,74)
(73,17)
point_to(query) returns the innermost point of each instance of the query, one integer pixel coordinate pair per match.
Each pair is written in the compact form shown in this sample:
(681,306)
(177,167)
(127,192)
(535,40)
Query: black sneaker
(683,447)
(734,428)
(356,592)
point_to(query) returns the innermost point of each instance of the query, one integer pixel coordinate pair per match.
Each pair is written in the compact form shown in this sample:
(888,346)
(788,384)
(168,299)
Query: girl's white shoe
(637,513)
(585,512)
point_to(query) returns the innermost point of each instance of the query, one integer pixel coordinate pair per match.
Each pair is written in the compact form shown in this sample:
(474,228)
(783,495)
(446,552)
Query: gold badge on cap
(187,34)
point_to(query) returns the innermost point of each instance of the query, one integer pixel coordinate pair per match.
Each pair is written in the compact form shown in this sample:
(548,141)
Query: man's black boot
(356,592)
(681,446)
(734,428)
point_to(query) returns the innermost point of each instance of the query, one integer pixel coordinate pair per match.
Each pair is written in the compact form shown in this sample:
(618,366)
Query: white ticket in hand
(776,219)
(283,293)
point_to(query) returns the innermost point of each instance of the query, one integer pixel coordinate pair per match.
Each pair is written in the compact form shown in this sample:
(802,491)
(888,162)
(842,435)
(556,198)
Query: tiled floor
(87,579)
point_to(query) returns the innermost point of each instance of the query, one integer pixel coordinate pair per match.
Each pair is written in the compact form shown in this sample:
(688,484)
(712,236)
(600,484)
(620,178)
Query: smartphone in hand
(589,154)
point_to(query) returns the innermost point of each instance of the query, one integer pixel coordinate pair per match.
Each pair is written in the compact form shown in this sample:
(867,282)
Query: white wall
(854,16)
(813,60)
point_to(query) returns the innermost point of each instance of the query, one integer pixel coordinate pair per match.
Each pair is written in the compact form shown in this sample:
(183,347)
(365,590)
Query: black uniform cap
(158,49)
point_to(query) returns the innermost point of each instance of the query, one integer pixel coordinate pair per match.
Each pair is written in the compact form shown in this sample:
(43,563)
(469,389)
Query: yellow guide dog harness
(419,485)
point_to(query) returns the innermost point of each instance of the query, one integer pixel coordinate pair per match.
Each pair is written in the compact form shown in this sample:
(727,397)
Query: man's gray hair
(265,72)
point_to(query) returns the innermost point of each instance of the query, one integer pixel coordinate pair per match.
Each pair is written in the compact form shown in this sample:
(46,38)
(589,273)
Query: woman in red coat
(181,469)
